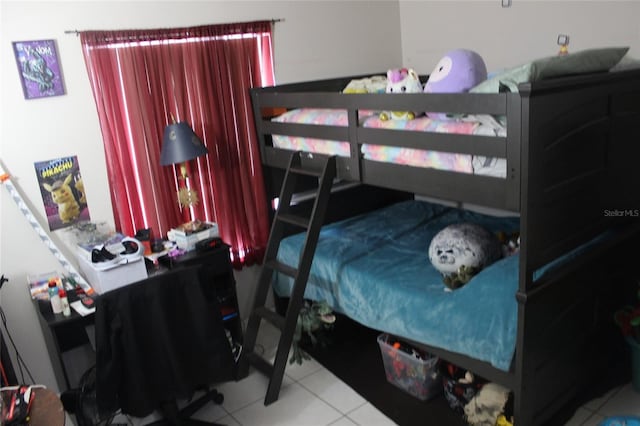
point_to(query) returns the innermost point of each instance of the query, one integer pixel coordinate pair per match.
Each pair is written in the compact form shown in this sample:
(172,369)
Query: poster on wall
(62,190)
(39,68)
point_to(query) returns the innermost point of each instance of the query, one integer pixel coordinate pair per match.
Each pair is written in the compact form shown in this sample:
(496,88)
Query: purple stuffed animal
(457,72)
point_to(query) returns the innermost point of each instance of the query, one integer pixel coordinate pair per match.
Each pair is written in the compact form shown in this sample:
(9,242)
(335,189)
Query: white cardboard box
(85,249)
(188,242)
(109,277)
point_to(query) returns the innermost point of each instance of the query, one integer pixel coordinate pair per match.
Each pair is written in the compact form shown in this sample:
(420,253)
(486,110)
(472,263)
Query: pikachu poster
(62,192)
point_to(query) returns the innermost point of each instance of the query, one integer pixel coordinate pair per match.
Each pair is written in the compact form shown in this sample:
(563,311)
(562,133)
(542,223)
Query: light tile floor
(312,396)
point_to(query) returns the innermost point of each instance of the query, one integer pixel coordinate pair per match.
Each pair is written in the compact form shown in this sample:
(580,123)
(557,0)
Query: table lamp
(179,145)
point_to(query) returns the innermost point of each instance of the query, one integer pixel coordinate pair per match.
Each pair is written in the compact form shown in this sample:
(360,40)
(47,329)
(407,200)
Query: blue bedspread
(374,268)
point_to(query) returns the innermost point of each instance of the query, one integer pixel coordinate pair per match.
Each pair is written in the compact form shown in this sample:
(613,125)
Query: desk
(70,344)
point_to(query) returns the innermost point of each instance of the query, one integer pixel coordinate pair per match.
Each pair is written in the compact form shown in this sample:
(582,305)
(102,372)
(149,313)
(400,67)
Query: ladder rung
(273,317)
(293,219)
(260,363)
(281,267)
(306,172)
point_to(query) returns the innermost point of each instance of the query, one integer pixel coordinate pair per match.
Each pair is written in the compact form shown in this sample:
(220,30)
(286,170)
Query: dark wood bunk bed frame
(571,148)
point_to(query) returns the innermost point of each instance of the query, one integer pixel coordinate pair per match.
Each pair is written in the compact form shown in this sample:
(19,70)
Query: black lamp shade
(180,144)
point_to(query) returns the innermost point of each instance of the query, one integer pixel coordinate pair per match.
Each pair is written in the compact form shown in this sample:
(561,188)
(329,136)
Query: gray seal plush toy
(461,250)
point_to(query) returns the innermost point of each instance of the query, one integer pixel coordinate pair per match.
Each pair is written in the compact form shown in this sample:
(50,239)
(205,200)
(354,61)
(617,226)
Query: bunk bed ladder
(287,324)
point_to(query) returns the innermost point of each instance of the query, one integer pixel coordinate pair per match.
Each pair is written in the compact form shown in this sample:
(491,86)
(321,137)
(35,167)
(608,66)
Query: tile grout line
(344,414)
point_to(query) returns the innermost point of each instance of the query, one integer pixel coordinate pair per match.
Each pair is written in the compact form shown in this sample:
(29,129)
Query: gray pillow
(582,62)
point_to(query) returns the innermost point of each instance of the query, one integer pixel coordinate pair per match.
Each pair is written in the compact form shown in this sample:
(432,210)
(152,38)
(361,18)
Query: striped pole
(5,180)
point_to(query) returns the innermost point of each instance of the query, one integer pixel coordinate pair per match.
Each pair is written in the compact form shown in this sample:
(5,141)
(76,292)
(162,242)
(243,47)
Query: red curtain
(141,81)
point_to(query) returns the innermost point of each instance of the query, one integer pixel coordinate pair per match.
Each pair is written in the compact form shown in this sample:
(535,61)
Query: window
(142,80)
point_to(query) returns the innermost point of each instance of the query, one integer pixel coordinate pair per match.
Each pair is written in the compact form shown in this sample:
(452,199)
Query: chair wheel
(218,398)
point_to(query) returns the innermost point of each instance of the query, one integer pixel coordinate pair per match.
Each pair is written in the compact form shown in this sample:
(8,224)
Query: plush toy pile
(458,71)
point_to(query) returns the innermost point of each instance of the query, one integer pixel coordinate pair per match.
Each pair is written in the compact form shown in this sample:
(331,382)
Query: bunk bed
(568,147)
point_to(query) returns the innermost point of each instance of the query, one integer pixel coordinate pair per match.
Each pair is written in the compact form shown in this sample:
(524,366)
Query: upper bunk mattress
(375,269)
(484,125)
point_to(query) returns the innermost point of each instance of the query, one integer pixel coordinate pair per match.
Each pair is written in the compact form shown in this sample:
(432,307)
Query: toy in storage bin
(414,371)
(460,386)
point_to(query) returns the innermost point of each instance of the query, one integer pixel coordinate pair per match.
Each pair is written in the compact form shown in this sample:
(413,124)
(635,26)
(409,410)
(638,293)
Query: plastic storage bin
(415,372)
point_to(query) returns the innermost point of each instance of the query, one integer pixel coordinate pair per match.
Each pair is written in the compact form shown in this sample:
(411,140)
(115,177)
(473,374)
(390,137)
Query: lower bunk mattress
(375,269)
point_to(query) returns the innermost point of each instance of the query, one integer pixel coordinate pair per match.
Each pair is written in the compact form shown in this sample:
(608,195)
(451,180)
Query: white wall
(506,37)
(316,39)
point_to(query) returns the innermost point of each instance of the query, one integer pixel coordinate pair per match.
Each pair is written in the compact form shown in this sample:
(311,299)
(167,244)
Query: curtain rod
(77,32)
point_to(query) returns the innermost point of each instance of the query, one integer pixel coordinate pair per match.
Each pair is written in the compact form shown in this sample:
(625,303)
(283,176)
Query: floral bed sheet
(468,125)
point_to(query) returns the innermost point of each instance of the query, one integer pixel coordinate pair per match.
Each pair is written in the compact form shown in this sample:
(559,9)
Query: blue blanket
(374,268)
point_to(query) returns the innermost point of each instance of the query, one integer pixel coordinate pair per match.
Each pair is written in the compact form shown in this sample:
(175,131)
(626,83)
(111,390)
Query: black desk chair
(158,341)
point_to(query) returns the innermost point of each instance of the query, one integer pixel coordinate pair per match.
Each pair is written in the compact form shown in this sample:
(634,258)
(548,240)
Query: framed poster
(39,68)
(62,190)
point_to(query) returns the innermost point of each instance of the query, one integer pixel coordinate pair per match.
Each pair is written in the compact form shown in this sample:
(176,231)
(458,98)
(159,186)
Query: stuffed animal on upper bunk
(402,80)
(461,250)
(457,72)
(373,84)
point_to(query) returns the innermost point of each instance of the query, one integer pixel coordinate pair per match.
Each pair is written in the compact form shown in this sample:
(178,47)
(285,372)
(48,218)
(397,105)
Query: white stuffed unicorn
(401,80)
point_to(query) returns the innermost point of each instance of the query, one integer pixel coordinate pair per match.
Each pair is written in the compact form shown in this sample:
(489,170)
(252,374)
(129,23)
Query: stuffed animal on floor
(461,250)
(401,80)
(487,405)
(313,317)
(457,72)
